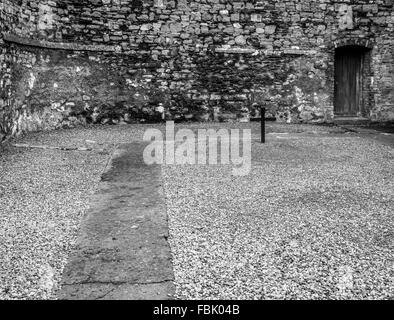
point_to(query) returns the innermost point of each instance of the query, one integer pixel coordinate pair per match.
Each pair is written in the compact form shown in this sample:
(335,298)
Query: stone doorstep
(351,121)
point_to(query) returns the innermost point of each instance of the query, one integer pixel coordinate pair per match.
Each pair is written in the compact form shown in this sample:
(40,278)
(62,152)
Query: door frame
(360,86)
(366,97)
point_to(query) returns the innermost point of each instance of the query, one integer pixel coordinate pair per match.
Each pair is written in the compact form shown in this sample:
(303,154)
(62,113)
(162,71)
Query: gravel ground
(314,220)
(274,234)
(43,197)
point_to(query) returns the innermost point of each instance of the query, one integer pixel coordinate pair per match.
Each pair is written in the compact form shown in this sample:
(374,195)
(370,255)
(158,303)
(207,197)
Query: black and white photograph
(183,151)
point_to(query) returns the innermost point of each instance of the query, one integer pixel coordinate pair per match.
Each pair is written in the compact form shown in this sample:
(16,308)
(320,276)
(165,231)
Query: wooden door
(348,81)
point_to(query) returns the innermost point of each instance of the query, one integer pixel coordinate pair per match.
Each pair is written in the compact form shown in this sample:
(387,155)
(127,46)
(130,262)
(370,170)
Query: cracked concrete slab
(122,252)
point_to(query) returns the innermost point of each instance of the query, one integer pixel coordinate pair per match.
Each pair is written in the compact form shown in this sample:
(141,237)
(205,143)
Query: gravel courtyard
(313,220)
(43,197)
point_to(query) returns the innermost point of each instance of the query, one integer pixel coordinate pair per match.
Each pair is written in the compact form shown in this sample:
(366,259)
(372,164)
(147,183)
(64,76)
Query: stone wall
(68,62)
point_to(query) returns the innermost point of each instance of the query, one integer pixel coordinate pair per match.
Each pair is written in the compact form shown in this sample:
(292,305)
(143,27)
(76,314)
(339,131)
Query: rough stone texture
(202,59)
(123,251)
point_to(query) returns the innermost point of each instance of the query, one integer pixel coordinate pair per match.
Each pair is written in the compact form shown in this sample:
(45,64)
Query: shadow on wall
(293,88)
(49,89)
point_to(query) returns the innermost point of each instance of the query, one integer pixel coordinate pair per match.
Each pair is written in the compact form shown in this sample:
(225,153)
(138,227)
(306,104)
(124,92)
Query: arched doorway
(350,74)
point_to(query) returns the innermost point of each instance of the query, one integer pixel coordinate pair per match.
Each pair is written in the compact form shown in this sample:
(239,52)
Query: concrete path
(122,252)
(384,137)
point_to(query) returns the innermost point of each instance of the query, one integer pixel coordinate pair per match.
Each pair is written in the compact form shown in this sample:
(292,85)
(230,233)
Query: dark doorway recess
(351,70)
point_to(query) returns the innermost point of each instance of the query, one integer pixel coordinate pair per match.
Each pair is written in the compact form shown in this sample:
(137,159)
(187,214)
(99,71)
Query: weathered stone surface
(122,252)
(345,17)
(133,55)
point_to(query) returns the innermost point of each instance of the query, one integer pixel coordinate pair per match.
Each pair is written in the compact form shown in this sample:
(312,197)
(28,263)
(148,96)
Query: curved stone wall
(68,62)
